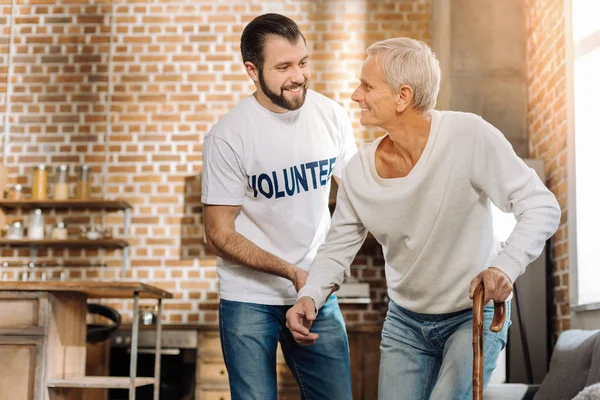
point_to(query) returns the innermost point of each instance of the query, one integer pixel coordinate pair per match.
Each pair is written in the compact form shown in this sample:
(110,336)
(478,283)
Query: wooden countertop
(94,290)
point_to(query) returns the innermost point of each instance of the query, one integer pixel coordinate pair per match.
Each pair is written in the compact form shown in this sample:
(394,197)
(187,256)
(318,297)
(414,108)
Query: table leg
(158,350)
(134,345)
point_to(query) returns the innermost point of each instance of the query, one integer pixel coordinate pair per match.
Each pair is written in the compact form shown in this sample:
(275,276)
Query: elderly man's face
(374,96)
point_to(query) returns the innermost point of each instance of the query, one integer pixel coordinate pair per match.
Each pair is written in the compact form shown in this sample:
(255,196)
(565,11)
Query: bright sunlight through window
(586,76)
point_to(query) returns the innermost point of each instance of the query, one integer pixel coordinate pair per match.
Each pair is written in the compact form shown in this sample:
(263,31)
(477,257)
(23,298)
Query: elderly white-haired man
(424,190)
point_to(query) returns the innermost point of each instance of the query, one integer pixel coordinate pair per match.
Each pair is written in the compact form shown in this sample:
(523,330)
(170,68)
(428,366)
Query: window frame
(570,57)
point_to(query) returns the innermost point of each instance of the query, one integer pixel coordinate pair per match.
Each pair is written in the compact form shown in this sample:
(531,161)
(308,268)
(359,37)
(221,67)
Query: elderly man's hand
(299,320)
(497,285)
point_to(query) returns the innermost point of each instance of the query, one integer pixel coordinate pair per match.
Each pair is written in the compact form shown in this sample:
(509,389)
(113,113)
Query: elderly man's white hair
(409,62)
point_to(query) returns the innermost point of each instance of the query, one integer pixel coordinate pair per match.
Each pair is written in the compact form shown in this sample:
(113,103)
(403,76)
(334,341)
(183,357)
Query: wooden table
(43,338)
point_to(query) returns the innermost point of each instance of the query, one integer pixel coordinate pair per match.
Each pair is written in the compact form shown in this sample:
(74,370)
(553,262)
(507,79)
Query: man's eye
(282,68)
(303,63)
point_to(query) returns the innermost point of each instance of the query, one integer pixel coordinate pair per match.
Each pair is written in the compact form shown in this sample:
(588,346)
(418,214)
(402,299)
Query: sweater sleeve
(332,263)
(513,187)
(347,145)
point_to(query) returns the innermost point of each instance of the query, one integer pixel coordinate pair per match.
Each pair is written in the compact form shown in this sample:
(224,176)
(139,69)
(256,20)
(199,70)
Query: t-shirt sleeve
(223,177)
(347,144)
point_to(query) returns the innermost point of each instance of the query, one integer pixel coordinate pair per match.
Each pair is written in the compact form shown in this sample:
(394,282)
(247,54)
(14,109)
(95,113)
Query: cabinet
(212,381)
(43,339)
(364,343)
(19,357)
(22,321)
(97,204)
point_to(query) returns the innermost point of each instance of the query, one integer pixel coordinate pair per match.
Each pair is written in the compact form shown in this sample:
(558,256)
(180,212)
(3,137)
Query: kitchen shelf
(72,204)
(112,205)
(87,243)
(44,264)
(98,382)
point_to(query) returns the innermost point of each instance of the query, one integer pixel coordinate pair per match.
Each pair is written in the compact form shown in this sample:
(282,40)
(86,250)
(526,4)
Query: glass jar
(59,231)
(15,192)
(15,230)
(35,228)
(40,182)
(61,186)
(84,183)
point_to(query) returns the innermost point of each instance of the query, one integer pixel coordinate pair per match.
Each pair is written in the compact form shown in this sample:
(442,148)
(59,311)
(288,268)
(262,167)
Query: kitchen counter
(43,337)
(92,290)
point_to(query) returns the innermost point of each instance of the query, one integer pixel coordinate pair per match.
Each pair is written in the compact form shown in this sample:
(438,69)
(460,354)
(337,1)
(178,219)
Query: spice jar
(84,183)
(35,228)
(15,230)
(15,192)
(61,186)
(40,182)
(59,231)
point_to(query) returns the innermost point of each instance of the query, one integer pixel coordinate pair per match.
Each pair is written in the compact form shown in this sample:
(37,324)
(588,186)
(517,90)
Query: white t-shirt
(278,167)
(435,224)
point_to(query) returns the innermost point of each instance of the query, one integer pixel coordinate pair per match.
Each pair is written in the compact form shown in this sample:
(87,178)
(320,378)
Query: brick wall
(5,10)
(163,72)
(548,129)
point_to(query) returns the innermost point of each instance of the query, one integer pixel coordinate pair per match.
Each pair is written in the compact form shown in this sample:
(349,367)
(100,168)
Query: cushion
(509,391)
(594,374)
(589,393)
(569,366)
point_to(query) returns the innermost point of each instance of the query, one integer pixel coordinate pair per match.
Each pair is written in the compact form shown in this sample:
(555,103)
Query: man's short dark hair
(256,33)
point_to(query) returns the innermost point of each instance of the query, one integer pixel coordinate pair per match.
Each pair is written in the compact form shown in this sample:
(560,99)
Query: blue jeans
(430,356)
(249,336)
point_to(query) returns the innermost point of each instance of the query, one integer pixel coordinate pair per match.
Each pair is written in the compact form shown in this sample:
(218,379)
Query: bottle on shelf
(39,187)
(35,227)
(15,192)
(61,186)
(59,231)
(84,183)
(15,230)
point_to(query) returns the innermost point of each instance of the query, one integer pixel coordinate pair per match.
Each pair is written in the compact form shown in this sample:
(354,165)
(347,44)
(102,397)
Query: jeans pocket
(502,336)
(502,340)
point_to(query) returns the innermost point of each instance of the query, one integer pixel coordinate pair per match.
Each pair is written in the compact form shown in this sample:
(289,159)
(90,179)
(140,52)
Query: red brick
(547,90)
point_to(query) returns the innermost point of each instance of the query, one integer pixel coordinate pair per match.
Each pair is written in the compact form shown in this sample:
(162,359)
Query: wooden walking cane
(496,326)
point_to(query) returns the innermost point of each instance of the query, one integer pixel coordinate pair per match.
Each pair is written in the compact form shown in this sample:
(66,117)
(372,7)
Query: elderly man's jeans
(430,356)
(249,336)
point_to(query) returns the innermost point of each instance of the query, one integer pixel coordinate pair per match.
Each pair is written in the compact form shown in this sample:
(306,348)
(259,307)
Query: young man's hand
(298,277)
(299,320)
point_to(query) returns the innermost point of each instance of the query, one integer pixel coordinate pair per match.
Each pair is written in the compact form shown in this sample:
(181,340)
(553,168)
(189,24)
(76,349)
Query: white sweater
(435,224)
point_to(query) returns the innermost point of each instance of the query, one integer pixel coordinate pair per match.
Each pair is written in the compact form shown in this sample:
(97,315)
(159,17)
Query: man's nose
(356,95)
(297,77)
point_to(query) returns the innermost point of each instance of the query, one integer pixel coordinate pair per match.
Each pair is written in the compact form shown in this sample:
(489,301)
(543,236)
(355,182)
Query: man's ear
(404,98)
(251,70)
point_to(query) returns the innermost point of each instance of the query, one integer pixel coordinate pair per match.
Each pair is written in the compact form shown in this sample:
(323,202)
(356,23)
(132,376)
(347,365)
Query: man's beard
(280,99)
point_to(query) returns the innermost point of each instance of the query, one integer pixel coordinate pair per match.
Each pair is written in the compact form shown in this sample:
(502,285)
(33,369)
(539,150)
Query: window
(584,184)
